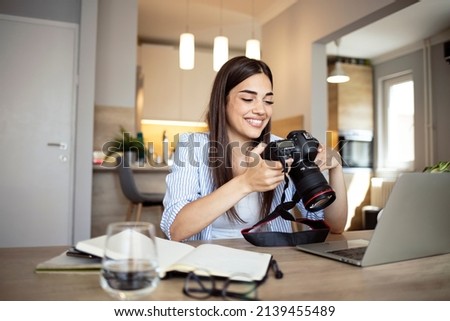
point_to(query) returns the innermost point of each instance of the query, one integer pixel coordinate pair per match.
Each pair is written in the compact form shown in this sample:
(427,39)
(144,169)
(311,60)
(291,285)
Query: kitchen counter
(136,168)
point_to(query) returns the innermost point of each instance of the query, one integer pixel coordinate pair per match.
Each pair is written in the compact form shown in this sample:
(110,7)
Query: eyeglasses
(200,284)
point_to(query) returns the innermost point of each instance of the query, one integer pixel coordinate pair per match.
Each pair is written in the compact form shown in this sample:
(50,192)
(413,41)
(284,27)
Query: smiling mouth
(255,122)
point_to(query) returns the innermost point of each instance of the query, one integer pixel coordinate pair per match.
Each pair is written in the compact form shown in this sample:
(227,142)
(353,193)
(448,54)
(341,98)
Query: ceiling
(399,30)
(163,21)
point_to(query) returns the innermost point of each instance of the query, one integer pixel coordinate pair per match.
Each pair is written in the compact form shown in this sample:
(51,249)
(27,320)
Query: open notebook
(221,261)
(414,223)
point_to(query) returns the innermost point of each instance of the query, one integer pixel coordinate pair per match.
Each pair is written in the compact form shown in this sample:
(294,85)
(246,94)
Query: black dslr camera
(310,184)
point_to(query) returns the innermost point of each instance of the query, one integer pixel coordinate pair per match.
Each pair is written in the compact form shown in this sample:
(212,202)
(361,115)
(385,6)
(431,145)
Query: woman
(219,184)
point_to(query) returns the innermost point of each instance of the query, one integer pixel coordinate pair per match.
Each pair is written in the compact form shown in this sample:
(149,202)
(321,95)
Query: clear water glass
(130,269)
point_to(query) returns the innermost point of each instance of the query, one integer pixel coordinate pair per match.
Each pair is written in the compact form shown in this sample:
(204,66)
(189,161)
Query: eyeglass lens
(242,289)
(203,286)
(198,287)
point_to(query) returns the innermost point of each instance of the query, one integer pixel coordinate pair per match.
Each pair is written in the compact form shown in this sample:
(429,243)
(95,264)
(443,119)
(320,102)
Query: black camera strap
(318,231)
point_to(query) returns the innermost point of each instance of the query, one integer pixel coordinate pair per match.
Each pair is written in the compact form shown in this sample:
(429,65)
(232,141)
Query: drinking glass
(130,269)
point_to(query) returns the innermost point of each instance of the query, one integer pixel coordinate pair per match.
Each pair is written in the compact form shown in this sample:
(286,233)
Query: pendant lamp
(187,46)
(220,50)
(187,51)
(338,74)
(252,46)
(253,49)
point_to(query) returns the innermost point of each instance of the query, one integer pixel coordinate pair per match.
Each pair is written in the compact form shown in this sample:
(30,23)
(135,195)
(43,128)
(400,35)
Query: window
(396,148)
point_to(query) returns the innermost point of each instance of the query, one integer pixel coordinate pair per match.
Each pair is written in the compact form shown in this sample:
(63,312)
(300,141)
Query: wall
(108,121)
(299,67)
(116,53)
(85,121)
(116,63)
(440,96)
(440,78)
(60,10)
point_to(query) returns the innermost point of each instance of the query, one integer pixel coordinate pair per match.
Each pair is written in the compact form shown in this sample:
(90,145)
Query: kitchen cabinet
(350,104)
(171,93)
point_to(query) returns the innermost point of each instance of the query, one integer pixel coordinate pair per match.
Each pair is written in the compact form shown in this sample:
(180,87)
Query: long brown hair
(233,72)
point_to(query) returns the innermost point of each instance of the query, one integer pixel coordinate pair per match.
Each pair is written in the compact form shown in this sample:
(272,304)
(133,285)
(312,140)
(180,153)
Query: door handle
(62,146)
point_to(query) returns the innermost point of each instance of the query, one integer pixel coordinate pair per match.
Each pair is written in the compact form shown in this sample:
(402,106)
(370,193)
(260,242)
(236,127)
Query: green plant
(440,167)
(125,142)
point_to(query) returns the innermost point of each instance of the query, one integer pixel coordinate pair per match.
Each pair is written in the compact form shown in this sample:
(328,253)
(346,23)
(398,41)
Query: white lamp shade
(220,52)
(252,49)
(338,75)
(187,51)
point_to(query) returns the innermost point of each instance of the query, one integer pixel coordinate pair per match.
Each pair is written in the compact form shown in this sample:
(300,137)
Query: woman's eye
(252,99)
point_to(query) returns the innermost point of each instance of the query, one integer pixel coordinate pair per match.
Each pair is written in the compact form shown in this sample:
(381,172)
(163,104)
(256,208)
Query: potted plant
(127,145)
(440,167)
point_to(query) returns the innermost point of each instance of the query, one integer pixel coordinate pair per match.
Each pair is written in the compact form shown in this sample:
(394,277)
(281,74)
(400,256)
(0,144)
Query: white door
(38,60)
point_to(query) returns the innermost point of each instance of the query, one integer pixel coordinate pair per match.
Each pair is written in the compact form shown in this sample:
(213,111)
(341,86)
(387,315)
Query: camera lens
(312,187)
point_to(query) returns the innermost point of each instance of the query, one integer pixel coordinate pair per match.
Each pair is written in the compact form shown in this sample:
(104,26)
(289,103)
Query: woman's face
(249,108)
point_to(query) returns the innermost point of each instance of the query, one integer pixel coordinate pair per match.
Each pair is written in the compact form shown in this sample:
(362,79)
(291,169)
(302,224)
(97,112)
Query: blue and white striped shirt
(191,178)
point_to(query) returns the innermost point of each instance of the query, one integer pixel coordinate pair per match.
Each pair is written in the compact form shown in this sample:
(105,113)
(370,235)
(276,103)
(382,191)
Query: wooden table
(306,277)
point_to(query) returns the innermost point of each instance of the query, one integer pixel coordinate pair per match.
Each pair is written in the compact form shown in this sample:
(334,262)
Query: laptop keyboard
(355,253)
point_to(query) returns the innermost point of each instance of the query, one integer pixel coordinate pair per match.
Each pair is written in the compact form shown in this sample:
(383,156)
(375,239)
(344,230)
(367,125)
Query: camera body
(311,186)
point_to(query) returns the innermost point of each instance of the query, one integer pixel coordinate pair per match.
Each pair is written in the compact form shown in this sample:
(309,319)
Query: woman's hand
(259,174)
(336,213)
(327,158)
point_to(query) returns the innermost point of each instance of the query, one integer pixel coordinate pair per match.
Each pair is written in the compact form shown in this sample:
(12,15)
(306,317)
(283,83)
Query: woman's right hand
(261,175)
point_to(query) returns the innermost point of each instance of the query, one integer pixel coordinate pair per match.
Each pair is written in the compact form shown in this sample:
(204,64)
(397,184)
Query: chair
(137,199)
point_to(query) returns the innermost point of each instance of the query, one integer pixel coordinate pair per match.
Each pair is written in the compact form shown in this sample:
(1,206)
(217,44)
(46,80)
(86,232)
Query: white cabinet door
(171,93)
(162,83)
(38,61)
(196,87)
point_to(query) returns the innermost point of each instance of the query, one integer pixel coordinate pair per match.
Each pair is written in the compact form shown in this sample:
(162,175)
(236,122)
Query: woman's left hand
(335,214)
(327,158)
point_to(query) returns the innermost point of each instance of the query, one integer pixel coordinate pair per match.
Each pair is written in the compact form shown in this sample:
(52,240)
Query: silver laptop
(415,223)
